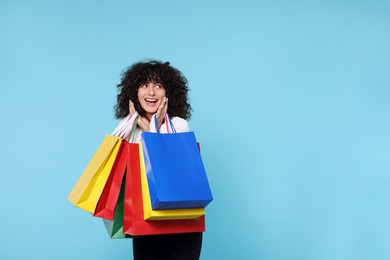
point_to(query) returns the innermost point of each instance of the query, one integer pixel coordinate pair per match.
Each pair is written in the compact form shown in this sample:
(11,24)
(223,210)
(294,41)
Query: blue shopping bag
(176,175)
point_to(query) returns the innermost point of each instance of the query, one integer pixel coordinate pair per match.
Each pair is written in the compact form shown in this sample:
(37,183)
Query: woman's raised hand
(161,111)
(131,108)
(143,122)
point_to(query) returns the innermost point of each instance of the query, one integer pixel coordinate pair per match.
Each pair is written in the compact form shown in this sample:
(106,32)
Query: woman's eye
(159,86)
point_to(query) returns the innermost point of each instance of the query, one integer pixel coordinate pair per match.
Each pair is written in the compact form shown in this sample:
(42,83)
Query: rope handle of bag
(133,130)
(127,128)
(168,124)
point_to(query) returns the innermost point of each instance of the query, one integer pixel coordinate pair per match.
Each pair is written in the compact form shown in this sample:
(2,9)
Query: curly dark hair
(173,81)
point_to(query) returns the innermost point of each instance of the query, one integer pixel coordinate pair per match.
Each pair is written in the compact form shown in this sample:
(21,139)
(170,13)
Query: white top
(124,127)
(180,125)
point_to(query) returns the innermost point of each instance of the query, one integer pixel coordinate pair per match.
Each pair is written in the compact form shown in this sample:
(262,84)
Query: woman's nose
(151,89)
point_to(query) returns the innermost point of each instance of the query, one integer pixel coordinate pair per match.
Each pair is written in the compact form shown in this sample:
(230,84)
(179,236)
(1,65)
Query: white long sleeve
(180,125)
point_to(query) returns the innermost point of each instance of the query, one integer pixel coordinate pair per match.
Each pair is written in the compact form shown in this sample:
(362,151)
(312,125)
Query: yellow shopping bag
(89,187)
(169,214)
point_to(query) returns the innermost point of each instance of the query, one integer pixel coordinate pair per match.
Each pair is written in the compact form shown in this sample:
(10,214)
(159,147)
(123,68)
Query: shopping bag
(175,172)
(108,199)
(87,191)
(115,227)
(106,205)
(133,222)
(150,214)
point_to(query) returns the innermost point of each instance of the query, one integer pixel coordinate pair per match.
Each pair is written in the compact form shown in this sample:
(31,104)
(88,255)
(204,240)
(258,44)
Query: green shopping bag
(115,227)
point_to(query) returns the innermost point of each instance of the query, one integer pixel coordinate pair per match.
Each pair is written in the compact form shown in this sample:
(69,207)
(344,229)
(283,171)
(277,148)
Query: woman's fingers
(143,123)
(165,108)
(161,111)
(131,108)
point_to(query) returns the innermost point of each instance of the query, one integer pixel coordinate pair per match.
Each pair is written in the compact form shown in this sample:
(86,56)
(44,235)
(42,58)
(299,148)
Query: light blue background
(291,106)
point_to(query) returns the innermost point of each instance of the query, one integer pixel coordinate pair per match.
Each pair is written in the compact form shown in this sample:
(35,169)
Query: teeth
(151,100)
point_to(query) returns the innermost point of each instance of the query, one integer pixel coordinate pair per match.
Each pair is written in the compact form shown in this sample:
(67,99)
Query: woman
(146,88)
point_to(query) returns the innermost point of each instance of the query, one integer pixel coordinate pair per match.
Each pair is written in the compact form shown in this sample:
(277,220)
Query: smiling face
(150,96)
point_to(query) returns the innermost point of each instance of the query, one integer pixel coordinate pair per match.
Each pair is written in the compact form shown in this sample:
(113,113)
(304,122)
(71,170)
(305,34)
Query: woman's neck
(149,116)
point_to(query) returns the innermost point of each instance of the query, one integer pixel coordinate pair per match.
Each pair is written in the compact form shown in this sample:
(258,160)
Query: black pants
(185,246)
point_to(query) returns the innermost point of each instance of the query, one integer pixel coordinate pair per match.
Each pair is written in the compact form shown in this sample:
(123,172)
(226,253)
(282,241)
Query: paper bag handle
(126,127)
(168,123)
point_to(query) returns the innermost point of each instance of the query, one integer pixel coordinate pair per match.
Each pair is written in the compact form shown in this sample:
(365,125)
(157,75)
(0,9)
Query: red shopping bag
(109,198)
(133,220)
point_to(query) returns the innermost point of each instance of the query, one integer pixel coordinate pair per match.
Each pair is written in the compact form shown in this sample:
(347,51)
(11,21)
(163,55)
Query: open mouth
(151,101)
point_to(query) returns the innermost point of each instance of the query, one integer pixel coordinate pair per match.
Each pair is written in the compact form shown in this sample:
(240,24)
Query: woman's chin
(150,113)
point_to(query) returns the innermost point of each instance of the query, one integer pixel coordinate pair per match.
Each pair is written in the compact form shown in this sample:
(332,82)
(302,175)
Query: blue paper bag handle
(167,120)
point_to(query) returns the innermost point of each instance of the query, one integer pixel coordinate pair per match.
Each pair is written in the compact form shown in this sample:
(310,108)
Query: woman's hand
(143,122)
(131,108)
(161,111)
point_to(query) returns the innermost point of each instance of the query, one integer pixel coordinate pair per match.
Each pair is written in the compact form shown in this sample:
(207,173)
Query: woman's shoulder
(180,124)
(179,120)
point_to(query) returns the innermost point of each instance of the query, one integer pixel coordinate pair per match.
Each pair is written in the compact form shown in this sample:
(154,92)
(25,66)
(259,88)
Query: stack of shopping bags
(156,186)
